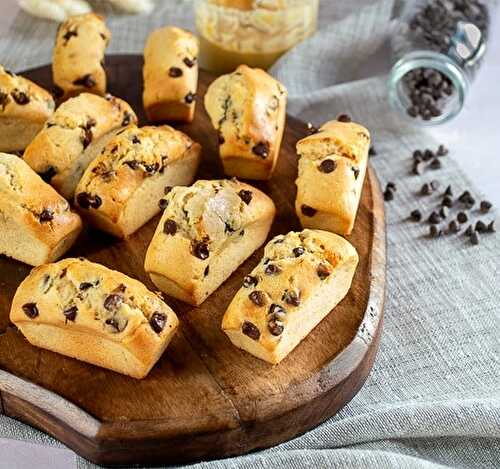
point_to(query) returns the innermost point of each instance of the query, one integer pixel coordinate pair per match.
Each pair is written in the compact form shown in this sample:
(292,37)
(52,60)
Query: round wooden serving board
(204,398)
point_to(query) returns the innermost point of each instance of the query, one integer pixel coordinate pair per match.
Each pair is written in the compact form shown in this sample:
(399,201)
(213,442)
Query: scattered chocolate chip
(491,226)
(485,206)
(435,164)
(444,212)
(170,227)
(416,215)
(425,189)
(481,227)
(447,201)
(246,196)
(31,310)
(323,271)
(327,166)
(175,72)
(200,250)
(69,34)
(418,168)
(428,155)
(344,118)
(469,230)
(308,211)
(462,217)
(257,297)
(261,149)
(250,281)
(250,330)
(474,238)
(388,195)
(163,204)
(442,151)
(46,215)
(87,81)
(391,186)
(448,192)
(20,97)
(298,251)
(291,298)
(434,218)
(113,301)
(372,152)
(86,200)
(272,269)
(85,286)
(275,327)
(70,313)
(418,155)
(434,232)
(190,97)
(189,62)
(136,140)
(127,119)
(454,227)
(157,322)
(86,138)
(467,199)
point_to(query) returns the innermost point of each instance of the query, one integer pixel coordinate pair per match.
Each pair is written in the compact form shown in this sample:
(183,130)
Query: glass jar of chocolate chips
(438,46)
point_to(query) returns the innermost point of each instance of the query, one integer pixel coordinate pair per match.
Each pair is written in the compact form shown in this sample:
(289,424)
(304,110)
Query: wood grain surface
(205,398)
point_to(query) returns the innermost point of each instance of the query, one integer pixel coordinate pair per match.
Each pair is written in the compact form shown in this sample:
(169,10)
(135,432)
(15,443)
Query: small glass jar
(437,48)
(251,32)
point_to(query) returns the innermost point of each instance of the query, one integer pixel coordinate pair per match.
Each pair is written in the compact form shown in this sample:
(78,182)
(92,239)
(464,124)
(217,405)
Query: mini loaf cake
(206,231)
(78,59)
(300,279)
(74,136)
(94,314)
(170,75)
(24,108)
(36,223)
(248,109)
(332,168)
(120,189)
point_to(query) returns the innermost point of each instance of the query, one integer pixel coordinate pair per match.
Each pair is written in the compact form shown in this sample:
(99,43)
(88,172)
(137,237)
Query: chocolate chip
(246,196)
(46,215)
(190,97)
(291,298)
(250,330)
(86,200)
(70,313)
(86,138)
(327,166)
(158,322)
(416,215)
(418,155)
(206,271)
(442,151)
(87,81)
(120,288)
(447,201)
(435,164)
(434,218)
(85,286)
(31,310)
(428,155)
(261,149)
(388,195)
(163,204)
(344,118)
(250,281)
(200,250)
(136,140)
(469,230)
(20,97)
(298,251)
(448,192)
(69,34)
(481,226)
(485,206)
(391,186)
(275,327)
(189,62)
(323,271)
(418,168)
(372,152)
(474,238)
(272,269)
(434,232)
(425,189)
(462,217)
(356,172)
(491,226)
(443,212)
(257,297)
(454,227)
(132,164)
(170,227)
(127,118)
(308,211)
(113,301)
(174,72)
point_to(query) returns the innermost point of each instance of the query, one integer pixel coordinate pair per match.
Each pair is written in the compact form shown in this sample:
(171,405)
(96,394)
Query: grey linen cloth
(433,397)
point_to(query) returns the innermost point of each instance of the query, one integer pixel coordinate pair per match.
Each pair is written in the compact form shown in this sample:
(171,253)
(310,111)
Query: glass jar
(251,32)
(437,48)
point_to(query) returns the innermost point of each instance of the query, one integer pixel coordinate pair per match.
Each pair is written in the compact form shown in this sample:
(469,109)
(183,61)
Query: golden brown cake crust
(170,75)
(88,300)
(248,109)
(332,168)
(78,58)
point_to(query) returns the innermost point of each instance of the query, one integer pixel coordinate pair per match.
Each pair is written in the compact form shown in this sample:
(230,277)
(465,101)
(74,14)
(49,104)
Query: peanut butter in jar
(251,32)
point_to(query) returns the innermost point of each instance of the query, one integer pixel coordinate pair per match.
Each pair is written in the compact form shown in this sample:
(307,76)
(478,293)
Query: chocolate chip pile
(441,220)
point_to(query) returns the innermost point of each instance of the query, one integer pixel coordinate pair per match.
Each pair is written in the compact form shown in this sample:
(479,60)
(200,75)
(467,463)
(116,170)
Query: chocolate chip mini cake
(74,136)
(24,108)
(94,314)
(170,75)
(206,231)
(120,190)
(36,223)
(300,279)
(78,58)
(248,109)
(332,168)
